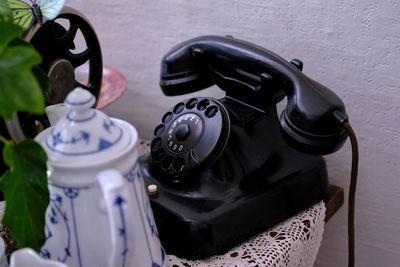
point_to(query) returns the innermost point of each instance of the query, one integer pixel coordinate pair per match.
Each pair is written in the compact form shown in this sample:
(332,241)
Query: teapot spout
(56,112)
(27,257)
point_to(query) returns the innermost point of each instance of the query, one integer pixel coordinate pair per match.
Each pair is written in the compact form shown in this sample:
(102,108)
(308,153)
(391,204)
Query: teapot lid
(85,136)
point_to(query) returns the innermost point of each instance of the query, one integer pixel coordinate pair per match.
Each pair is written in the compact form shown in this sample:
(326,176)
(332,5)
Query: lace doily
(294,242)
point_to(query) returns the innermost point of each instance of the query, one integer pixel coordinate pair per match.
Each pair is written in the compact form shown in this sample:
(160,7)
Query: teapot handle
(115,196)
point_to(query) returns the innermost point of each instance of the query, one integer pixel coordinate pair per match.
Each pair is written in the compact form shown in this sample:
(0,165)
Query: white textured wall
(353,47)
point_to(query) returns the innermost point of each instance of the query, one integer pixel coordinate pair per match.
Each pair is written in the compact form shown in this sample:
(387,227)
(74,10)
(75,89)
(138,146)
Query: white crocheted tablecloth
(294,242)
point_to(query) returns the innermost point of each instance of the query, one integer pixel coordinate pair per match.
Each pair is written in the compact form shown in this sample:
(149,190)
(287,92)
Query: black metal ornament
(56,41)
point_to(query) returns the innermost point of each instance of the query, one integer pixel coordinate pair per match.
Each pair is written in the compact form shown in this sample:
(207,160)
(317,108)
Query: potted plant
(24,184)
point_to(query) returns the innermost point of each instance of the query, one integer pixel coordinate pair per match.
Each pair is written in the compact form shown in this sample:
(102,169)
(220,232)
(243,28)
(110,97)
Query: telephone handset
(227,169)
(251,75)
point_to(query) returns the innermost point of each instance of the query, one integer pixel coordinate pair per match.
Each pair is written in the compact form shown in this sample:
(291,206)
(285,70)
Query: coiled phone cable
(352,192)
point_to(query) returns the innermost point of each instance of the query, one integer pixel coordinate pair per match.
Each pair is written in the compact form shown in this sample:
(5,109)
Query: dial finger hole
(178,165)
(156,144)
(159,130)
(211,111)
(203,104)
(159,155)
(191,103)
(167,117)
(166,162)
(179,108)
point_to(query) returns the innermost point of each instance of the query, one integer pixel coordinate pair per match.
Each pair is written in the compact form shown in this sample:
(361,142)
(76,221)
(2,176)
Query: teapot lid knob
(80,102)
(86,137)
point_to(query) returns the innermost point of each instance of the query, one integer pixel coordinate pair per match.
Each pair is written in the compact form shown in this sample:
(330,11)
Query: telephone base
(199,223)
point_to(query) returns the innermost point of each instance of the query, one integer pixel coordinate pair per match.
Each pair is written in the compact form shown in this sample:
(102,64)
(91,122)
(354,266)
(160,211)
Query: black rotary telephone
(227,169)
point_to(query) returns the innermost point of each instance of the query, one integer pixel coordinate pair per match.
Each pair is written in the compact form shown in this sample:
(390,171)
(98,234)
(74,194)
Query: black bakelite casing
(257,182)
(258,169)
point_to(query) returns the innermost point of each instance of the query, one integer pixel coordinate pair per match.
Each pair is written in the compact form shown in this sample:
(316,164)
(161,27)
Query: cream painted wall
(353,47)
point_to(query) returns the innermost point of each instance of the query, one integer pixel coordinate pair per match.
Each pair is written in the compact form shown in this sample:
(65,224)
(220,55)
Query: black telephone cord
(352,192)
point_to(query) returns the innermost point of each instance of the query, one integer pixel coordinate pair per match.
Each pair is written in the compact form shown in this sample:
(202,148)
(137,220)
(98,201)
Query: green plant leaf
(5,12)
(8,33)
(42,78)
(40,75)
(24,186)
(19,89)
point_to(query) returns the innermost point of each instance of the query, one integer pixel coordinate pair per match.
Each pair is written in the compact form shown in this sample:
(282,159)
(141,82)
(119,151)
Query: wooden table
(334,201)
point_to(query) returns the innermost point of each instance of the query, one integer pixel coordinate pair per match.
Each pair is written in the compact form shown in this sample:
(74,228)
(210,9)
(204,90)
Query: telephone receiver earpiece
(311,121)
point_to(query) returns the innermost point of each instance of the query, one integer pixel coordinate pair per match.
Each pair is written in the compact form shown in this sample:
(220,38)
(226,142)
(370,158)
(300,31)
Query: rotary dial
(184,132)
(191,134)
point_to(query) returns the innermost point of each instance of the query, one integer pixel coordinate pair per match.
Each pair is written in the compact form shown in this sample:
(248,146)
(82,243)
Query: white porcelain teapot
(94,219)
